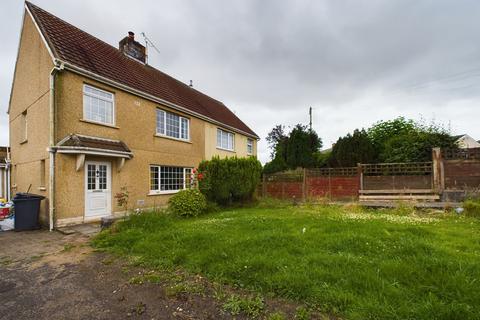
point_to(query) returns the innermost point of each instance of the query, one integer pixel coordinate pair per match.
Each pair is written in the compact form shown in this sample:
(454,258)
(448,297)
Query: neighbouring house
(464,141)
(89,120)
(4,173)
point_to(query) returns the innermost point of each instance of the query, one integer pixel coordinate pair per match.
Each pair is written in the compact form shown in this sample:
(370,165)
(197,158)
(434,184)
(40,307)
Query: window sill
(171,138)
(159,193)
(42,189)
(228,150)
(100,124)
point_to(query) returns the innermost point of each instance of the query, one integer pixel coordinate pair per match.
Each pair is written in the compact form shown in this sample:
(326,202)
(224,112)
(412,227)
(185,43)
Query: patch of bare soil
(72,281)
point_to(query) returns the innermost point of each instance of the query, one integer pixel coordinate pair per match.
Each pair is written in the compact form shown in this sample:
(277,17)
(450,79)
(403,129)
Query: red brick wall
(335,187)
(284,190)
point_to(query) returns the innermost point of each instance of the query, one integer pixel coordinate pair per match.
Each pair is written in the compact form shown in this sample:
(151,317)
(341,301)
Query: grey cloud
(355,62)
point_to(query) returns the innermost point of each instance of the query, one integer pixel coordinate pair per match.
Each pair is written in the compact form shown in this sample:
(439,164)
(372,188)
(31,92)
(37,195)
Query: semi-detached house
(88,120)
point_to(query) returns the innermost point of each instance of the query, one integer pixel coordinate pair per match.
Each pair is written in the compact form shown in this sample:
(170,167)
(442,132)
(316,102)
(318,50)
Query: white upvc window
(168,179)
(249,146)
(172,125)
(98,105)
(225,140)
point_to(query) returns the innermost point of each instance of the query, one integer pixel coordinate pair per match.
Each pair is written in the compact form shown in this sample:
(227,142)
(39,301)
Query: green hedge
(229,180)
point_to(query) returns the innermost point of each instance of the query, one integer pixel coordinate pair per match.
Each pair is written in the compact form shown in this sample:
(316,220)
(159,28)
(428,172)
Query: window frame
(185,170)
(228,134)
(24,127)
(92,95)
(249,146)
(181,120)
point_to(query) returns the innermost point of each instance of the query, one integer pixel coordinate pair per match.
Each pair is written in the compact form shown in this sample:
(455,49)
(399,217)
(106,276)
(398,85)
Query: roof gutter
(51,125)
(89,74)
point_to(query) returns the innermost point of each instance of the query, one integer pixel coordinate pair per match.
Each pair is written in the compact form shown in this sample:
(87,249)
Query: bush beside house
(229,180)
(186,203)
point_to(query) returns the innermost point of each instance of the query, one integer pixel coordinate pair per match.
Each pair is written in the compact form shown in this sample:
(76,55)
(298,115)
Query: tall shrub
(229,180)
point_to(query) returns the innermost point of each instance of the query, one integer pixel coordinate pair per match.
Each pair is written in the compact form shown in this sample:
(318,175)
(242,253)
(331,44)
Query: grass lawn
(342,261)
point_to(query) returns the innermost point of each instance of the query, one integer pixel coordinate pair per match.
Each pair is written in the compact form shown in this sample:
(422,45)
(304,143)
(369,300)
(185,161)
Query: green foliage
(252,307)
(276,316)
(277,142)
(322,158)
(472,208)
(301,146)
(230,180)
(343,264)
(350,150)
(190,202)
(302,313)
(297,149)
(276,165)
(404,140)
(383,131)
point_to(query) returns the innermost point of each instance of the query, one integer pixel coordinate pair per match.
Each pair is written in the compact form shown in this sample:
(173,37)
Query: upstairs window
(98,105)
(172,125)
(225,140)
(249,146)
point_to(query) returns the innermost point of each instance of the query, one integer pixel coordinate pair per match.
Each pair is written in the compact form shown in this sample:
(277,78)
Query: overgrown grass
(359,264)
(472,208)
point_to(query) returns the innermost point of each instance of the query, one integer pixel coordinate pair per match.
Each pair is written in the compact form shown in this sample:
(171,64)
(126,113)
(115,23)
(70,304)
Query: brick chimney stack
(132,48)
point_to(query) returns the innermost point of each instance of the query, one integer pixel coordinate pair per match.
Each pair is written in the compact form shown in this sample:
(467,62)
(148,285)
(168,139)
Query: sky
(354,62)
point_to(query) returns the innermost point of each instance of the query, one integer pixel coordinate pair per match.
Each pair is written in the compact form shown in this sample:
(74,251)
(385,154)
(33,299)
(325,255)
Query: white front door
(98,189)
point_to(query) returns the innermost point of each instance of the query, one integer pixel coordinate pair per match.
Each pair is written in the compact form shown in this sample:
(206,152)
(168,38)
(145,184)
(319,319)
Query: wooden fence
(449,171)
(338,183)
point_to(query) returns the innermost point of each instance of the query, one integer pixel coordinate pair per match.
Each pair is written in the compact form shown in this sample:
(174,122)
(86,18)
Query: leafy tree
(276,165)
(301,146)
(322,158)
(404,140)
(352,149)
(297,149)
(381,132)
(277,140)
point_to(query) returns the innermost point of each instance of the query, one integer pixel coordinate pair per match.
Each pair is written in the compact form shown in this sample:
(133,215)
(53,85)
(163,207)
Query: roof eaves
(51,49)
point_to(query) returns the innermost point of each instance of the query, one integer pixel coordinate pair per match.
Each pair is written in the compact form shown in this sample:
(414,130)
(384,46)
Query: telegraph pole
(310,114)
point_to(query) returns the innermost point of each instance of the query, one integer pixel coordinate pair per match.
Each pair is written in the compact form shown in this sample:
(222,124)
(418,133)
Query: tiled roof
(72,45)
(79,141)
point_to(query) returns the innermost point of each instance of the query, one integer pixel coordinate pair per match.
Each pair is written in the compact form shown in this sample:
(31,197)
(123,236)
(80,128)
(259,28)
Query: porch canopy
(86,145)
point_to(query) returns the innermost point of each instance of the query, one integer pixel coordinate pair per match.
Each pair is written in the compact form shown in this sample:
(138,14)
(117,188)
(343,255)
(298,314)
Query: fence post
(360,177)
(438,179)
(264,185)
(304,185)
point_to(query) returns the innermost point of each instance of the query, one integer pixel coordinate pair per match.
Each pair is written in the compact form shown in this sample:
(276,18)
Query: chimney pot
(131,35)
